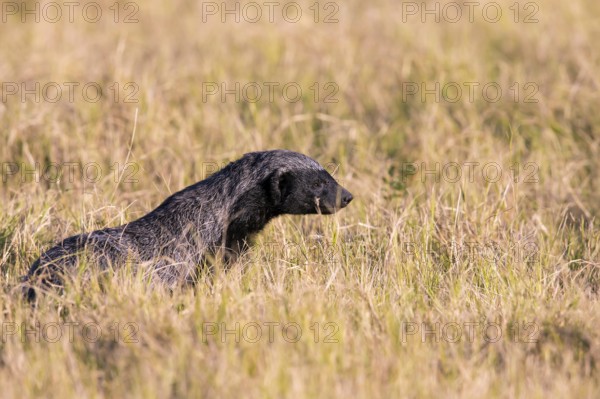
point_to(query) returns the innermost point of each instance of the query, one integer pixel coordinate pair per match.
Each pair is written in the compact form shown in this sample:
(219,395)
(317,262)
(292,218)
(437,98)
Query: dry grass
(391,280)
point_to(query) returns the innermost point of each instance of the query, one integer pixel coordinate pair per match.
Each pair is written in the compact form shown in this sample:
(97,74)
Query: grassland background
(371,270)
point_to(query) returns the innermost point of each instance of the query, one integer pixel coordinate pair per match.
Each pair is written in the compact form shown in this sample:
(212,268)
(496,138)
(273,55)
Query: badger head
(307,191)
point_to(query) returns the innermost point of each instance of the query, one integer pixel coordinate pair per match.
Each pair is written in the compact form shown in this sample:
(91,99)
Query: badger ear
(278,185)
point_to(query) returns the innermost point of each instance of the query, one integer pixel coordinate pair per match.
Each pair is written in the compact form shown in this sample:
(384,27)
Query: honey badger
(214,217)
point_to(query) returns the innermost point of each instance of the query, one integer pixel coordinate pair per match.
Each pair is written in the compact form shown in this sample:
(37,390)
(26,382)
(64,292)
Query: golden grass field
(466,266)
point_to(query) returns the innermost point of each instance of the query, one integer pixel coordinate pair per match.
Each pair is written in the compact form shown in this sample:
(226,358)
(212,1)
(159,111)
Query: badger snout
(345,198)
(342,198)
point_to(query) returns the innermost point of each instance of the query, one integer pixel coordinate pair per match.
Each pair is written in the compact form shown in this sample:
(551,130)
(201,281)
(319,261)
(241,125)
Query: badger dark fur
(214,217)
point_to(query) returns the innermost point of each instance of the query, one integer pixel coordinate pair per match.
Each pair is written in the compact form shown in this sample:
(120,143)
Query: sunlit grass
(402,294)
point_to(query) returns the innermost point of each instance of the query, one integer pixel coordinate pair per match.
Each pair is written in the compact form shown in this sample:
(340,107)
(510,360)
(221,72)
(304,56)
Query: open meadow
(467,265)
